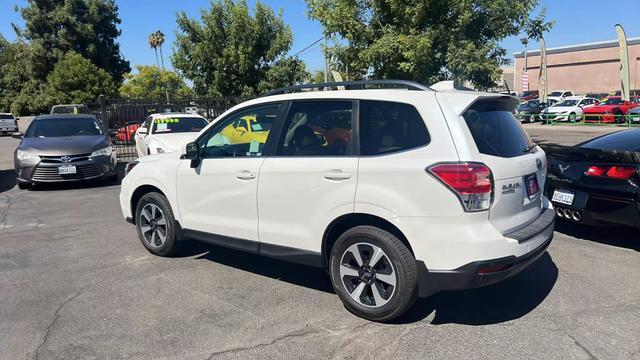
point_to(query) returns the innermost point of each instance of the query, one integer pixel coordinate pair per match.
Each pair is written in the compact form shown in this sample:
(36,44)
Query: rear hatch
(518,166)
(7,121)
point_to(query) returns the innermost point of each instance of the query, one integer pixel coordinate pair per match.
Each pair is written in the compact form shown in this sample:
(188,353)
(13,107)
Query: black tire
(572,117)
(24,186)
(396,253)
(619,118)
(169,245)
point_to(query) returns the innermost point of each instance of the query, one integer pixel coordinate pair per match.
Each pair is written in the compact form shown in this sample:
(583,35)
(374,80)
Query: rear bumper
(487,272)
(599,206)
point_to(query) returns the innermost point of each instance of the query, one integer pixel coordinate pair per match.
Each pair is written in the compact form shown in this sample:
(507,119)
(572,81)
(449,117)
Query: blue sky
(577,21)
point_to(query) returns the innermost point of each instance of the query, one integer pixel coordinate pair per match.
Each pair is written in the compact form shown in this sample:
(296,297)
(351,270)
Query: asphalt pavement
(75,283)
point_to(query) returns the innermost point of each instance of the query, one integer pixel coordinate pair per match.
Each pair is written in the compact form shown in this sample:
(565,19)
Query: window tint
(6,117)
(495,130)
(317,128)
(232,137)
(387,127)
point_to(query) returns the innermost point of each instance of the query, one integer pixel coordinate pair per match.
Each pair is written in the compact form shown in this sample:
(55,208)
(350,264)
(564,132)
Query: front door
(311,179)
(217,198)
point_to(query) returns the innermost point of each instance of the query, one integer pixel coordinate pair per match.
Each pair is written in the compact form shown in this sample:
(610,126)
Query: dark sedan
(58,148)
(597,182)
(529,111)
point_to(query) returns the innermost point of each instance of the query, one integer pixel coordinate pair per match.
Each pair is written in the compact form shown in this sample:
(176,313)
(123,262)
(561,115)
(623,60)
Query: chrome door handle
(246,175)
(336,175)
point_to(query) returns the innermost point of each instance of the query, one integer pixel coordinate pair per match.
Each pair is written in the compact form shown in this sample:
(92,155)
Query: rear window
(6,117)
(495,130)
(387,127)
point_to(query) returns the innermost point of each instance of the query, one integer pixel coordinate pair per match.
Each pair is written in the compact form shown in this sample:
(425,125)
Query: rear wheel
(373,273)
(572,117)
(619,118)
(156,224)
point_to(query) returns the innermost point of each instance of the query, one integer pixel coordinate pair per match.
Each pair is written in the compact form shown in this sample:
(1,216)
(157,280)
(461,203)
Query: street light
(525,41)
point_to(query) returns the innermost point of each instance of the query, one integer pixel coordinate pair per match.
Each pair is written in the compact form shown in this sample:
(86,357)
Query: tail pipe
(569,214)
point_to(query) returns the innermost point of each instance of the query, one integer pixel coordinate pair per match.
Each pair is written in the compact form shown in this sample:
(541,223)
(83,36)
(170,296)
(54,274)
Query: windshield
(556,93)
(69,109)
(567,103)
(179,125)
(47,128)
(530,103)
(612,101)
(260,123)
(526,93)
(6,117)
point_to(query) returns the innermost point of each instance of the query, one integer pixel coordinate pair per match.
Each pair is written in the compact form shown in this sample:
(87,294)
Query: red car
(125,134)
(611,110)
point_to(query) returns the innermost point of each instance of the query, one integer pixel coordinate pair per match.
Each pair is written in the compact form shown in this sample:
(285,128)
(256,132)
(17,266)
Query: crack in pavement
(292,334)
(591,356)
(53,321)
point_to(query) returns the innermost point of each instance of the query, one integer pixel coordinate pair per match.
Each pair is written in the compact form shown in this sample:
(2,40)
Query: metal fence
(125,116)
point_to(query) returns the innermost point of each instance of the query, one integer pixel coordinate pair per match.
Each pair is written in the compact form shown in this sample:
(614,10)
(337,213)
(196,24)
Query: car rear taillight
(613,172)
(471,182)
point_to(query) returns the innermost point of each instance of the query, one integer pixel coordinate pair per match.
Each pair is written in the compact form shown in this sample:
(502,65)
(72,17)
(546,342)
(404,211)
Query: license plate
(65,170)
(531,182)
(563,197)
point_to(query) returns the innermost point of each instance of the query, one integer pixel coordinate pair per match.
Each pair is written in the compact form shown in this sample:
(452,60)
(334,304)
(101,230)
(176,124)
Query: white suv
(399,193)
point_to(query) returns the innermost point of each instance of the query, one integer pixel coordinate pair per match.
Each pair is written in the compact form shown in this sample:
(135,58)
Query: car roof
(172,114)
(64,116)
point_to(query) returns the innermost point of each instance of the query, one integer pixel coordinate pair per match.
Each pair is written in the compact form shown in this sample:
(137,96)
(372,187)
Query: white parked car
(559,95)
(569,109)
(399,193)
(166,132)
(8,123)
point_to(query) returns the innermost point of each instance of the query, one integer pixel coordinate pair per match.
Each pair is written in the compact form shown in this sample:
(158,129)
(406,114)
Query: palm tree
(159,41)
(153,43)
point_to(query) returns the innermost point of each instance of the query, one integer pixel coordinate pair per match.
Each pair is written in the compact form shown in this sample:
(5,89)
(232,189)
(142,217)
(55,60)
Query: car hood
(173,141)
(599,108)
(70,145)
(558,109)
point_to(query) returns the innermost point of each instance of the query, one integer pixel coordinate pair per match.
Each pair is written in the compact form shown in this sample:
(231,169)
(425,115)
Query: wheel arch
(345,222)
(138,193)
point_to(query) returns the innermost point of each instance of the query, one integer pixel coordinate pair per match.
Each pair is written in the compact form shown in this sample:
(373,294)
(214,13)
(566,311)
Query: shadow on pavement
(505,301)
(619,236)
(301,275)
(7,180)
(498,303)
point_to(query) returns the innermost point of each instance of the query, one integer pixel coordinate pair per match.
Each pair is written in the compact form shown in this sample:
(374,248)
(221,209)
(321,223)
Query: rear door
(517,164)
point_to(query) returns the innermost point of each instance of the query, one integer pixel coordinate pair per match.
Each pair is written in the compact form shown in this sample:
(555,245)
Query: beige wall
(593,70)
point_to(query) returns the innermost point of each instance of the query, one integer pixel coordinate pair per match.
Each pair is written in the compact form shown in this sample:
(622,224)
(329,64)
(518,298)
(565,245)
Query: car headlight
(27,156)
(102,152)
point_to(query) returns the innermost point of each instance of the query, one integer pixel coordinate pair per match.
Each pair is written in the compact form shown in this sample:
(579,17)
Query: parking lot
(76,283)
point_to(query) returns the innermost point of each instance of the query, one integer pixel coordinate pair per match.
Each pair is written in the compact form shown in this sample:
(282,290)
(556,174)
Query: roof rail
(353,85)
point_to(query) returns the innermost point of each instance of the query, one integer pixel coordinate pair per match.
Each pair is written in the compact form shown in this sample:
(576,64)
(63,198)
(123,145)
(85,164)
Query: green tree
(151,82)
(426,41)
(75,79)
(230,52)
(87,27)
(20,92)
(153,43)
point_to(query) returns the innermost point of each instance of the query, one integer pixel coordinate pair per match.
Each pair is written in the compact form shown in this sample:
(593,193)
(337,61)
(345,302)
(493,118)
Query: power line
(313,43)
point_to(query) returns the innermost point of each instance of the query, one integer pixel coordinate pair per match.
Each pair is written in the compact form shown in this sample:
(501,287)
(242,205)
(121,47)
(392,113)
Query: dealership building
(582,68)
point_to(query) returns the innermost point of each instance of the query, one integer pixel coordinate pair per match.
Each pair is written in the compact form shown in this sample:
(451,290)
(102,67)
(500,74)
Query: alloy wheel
(153,225)
(367,274)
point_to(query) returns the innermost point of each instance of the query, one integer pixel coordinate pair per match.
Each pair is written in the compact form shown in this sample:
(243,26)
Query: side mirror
(192,152)
(17,118)
(17,135)
(113,132)
(142,130)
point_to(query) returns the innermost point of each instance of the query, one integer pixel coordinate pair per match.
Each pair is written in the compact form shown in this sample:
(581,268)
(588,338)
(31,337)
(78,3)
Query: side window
(230,137)
(317,128)
(147,123)
(387,127)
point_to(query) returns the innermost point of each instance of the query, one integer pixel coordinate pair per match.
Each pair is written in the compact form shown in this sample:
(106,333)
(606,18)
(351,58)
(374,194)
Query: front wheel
(373,273)
(156,224)
(572,117)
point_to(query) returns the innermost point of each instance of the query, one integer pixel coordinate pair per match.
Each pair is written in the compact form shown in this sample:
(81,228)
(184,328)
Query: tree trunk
(157,61)
(161,58)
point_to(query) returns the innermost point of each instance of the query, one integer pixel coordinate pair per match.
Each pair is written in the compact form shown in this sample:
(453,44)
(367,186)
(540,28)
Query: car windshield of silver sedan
(179,125)
(48,128)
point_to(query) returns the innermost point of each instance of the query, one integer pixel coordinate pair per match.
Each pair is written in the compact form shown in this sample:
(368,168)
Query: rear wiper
(529,148)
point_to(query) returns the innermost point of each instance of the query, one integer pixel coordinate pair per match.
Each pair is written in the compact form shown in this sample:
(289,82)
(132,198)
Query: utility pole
(326,62)
(525,41)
